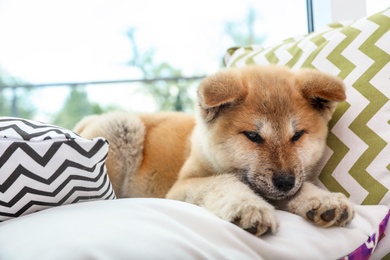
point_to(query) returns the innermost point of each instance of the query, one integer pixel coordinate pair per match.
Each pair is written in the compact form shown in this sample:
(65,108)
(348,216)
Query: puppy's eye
(297,136)
(254,137)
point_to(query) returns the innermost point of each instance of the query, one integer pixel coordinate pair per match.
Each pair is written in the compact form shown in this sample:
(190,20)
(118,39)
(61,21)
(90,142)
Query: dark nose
(283,182)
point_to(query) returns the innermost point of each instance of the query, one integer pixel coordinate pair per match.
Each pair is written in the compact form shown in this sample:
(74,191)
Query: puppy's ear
(218,91)
(322,90)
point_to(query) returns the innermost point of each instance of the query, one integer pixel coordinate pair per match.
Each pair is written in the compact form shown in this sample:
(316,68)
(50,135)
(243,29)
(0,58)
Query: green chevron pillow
(357,159)
(43,166)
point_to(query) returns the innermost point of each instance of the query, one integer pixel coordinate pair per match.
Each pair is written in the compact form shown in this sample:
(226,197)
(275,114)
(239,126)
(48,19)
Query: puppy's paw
(331,209)
(256,218)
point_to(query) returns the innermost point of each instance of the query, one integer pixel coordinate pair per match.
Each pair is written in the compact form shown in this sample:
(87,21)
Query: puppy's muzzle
(283,182)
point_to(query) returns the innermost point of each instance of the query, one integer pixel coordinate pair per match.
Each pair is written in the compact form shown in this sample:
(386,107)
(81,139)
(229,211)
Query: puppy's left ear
(220,90)
(322,90)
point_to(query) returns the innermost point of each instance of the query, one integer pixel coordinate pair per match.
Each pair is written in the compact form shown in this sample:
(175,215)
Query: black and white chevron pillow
(42,166)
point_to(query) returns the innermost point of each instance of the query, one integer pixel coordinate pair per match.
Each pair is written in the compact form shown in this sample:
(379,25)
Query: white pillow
(42,166)
(167,229)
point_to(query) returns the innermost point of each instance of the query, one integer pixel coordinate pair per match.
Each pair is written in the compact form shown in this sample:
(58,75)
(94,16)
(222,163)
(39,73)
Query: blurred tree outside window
(14,101)
(163,48)
(76,106)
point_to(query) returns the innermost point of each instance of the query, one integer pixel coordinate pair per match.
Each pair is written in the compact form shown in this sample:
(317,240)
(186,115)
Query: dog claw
(344,216)
(311,214)
(328,215)
(253,229)
(236,220)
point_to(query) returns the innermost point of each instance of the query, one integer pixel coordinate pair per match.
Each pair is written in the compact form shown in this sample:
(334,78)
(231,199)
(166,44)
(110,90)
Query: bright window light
(73,41)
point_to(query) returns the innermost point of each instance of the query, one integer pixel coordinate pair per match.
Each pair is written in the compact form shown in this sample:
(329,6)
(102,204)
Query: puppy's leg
(319,206)
(228,198)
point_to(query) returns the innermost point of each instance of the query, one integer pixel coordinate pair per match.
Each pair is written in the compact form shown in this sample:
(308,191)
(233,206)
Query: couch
(56,200)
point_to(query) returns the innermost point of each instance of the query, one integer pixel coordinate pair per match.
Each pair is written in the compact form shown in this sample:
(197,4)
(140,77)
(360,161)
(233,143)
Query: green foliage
(244,33)
(174,95)
(21,107)
(168,95)
(171,94)
(76,106)
(16,103)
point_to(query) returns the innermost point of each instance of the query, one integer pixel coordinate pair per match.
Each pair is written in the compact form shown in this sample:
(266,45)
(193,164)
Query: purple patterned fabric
(366,250)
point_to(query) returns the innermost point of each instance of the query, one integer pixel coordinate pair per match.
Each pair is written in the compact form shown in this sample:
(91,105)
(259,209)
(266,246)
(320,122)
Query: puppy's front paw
(331,209)
(257,217)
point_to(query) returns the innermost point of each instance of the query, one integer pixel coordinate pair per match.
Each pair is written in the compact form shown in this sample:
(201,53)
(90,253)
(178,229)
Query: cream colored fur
(258,134)
(125,134)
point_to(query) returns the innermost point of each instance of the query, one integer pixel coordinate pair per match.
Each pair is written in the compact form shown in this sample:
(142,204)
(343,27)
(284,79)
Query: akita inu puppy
(258,134)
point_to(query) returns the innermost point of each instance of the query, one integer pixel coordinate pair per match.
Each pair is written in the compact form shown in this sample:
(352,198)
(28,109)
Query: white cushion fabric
(165,229)
(43,166)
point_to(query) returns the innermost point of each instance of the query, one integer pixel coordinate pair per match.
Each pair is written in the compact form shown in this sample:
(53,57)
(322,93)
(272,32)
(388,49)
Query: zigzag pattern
(43,166)
(351,63)
(73,195)
(377,100)
(18,128)
(357,160)
(52,150)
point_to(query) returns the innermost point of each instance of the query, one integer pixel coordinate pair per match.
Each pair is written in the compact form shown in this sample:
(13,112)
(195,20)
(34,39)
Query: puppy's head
(266,124)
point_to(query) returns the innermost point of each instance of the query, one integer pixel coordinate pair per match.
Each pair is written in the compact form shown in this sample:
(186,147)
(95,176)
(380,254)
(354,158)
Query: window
(63,59)
(327,11)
